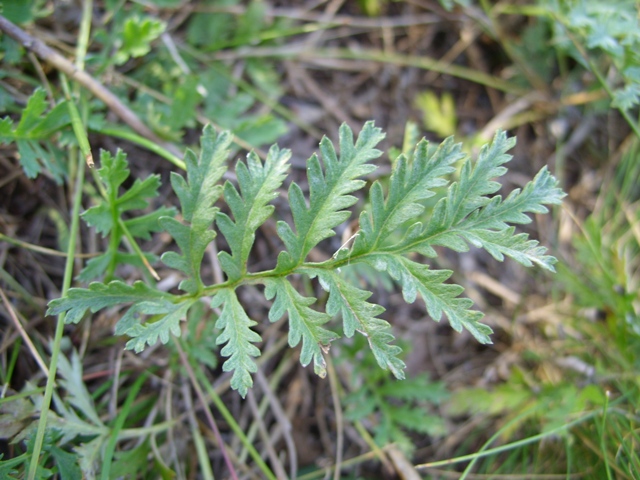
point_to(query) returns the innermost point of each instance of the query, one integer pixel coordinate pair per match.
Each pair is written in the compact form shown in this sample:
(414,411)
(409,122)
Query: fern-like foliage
(395,227)
(329,190)
(258,186)
(197,194)
(106,216)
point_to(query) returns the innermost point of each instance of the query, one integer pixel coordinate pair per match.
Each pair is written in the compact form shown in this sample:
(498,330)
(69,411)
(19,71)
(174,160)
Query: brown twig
(52,57)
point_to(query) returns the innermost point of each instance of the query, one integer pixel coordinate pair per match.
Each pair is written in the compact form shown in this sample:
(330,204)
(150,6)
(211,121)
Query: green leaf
(30,152)
(239,339)
(498,214)
(197,195)
(628,97)
(66,463)
(488,227)
(99,296)
(305,323)
(439,297)
(360,315)
(411,184)
(32,113)
(476,179)
(113,172)
(36,126)
(137,35)
(258,186)
(167,321)
(505,242)
(329,190)
(77,394)
(97,266)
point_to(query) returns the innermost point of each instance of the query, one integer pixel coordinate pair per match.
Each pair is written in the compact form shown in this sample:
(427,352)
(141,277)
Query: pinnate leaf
(239,339)
(469,213)
(258,186)
(197,195)
(305,323)
(329,192)
(411,183)
(100,295)
(439,297)
(362,316)
(167,321)
(113,172)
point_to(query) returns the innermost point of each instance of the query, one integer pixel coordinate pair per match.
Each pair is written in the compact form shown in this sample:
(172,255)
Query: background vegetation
(554,396)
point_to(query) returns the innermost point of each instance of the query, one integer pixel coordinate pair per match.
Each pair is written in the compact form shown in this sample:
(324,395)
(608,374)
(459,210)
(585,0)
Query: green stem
(55,349)
(509,446)
(143,142)
(136,248)
(509,425)
(81,136)
(603,446)
(76,123)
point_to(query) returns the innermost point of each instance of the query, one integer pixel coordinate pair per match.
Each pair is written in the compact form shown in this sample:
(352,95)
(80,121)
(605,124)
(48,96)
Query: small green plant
(466,215)
(77,440)
(106,217)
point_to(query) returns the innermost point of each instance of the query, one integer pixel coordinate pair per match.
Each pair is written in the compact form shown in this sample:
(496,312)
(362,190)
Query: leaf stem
(143,142)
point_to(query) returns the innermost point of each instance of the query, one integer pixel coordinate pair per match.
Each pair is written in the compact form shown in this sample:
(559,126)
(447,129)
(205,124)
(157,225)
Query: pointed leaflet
(469,193)
(34,123)
(328,192)
(505,242)
(360,315)
(168,317)
(305,323)
(99,296)
(77,394)
(411,183)
(239,339)
(197,195)
(258,186)
(439,297)
(488,227)
(498,214)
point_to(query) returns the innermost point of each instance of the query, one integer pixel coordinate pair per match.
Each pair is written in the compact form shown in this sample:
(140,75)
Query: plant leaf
(77,394)
(329,191)
(469,193)
(239,339)
(142,334)
(360,315)
(305,323)
(113,172)
(99,296)
(197,195)
(440,298)
(258,186)
(411,183)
